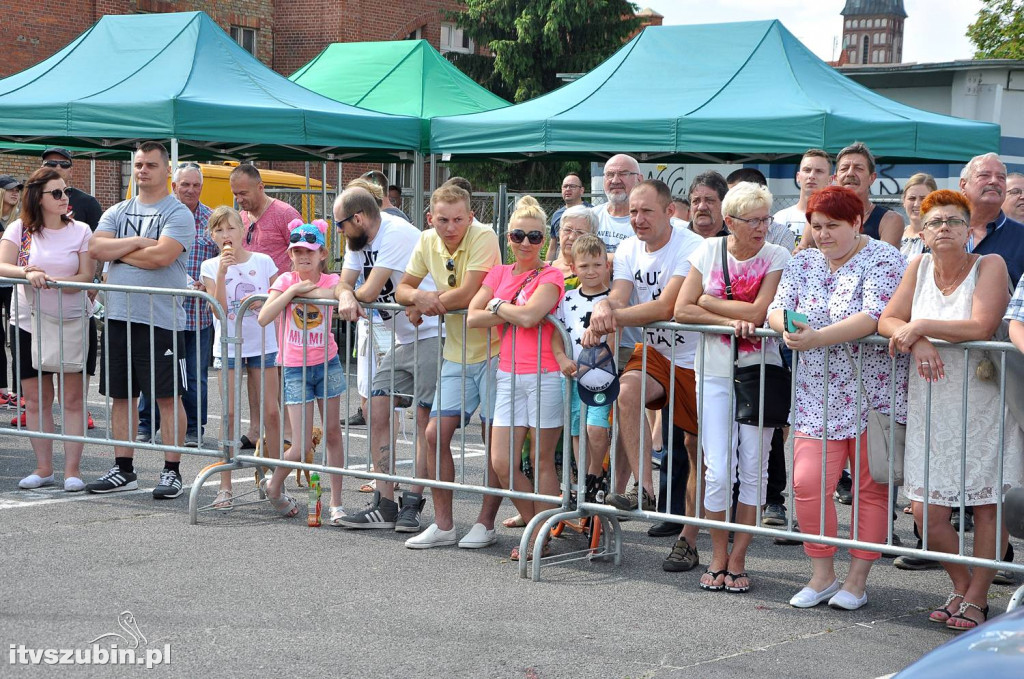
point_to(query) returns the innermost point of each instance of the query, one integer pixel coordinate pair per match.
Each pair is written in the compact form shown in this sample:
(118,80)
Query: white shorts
(552,403)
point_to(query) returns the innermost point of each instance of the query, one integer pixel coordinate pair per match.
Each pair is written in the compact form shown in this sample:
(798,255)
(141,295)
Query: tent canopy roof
(711,93)
(404,77)
(179,75)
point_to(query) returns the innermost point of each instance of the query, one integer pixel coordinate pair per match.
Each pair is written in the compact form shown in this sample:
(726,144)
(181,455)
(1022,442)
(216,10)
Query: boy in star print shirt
(592,268)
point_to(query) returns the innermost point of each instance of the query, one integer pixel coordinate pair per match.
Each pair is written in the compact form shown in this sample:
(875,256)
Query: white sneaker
(847,601)
(808,598)
(432,537)
(35,481)
(73,484)
(478,537)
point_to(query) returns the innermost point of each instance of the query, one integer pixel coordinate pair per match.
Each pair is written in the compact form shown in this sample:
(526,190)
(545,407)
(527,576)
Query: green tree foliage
(999,31)
(529,42)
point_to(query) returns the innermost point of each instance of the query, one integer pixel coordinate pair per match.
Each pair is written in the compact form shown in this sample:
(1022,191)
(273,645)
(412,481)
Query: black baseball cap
(9,182)
(596,376)
(59,150)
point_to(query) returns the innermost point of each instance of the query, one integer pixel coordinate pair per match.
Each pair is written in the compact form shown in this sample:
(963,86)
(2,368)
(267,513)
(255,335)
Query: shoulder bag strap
(728,291)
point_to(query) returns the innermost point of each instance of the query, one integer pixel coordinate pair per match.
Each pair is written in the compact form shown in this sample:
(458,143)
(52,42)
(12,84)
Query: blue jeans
(195,395)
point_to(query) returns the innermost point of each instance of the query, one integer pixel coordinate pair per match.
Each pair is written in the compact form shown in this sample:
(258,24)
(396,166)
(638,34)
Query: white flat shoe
(809,598)
(846,601)
(478,537)
(432,537)
(35,481)
(73,484)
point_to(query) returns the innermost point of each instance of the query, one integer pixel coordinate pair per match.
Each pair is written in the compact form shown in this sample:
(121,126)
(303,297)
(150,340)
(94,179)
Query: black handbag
(747,380)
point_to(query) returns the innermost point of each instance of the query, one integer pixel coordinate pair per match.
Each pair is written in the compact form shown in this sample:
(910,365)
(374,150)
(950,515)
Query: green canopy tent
(404,77)
(738,92)
(179,76)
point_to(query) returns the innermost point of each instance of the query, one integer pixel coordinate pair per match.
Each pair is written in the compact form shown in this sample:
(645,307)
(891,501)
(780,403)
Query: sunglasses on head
(297,236)
(59,193)
(518,235)
(64,164)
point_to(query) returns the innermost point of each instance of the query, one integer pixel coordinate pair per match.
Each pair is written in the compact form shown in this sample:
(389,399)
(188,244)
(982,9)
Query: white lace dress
(946,443)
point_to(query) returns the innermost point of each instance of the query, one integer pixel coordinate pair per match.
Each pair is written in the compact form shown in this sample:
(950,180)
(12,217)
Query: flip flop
(223,501)
(514,522)
(735,577)
(714,576)
(247,444)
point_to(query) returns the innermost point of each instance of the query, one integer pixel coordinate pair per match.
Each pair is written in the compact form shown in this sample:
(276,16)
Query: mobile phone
(791,318)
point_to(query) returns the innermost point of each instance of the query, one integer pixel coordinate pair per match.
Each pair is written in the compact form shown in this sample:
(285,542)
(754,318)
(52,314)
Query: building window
(453,39)
(864,50)
(883,38)
(246,37)
(415,35)
(885,22)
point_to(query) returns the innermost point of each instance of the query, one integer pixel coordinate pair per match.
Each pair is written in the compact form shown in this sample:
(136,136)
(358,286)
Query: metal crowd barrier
(151,298)
(360,468)
(611,515)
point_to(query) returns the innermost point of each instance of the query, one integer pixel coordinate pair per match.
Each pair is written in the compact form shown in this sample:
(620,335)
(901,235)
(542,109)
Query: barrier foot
(1017,600)
(544,536)
(197,486)
(524,542)
(611,539)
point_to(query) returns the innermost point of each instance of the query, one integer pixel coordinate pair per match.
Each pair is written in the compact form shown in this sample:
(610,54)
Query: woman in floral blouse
(842,286)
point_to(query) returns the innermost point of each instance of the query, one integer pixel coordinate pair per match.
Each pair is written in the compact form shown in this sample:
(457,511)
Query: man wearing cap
(81,205)
(649,271)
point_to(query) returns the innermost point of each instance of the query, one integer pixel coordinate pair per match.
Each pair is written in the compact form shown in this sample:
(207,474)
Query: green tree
(528,43)
(999,31)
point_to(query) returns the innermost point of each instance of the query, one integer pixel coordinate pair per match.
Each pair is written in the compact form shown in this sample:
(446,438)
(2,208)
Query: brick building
(284,34)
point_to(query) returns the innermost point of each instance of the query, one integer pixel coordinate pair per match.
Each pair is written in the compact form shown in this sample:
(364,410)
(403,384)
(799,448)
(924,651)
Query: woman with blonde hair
(914,191)
(520,295)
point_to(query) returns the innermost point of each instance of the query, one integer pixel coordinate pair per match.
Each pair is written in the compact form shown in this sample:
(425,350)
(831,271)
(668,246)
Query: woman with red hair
(842,286)
(956,296)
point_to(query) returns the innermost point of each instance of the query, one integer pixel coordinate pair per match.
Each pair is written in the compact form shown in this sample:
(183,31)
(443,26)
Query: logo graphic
(126,647)
(126,621)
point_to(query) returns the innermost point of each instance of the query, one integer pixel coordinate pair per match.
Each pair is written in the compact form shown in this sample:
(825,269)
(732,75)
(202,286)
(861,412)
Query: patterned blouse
(863,284)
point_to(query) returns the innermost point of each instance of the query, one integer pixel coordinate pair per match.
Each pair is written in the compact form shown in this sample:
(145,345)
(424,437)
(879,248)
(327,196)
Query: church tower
(873,31)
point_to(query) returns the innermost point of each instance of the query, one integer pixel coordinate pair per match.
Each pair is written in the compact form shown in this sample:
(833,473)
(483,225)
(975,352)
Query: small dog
(317,436)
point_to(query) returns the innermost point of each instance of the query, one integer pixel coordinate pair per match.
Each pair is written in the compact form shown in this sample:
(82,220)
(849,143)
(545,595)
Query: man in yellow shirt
(457,254)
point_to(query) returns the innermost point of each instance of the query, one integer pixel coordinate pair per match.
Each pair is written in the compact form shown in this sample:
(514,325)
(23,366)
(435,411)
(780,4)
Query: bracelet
(497,305)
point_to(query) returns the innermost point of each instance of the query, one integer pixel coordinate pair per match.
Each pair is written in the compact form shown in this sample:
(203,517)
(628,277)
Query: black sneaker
(356,420)
(913,563)
(954,518)
(191,439)
(169,486)
(113,481)
(682,558)
(144,437)
(774,515)
(380,513)
(408,519)
(844,490)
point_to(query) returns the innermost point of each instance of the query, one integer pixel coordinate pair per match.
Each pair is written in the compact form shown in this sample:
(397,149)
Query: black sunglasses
(58,193)
(340,223)
(306,236)
(450,265)
(518,235)
(249,232)
(64,164)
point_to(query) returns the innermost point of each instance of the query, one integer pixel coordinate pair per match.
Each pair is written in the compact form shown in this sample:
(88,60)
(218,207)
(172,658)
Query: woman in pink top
(309,356)
(43,247)
(521,295)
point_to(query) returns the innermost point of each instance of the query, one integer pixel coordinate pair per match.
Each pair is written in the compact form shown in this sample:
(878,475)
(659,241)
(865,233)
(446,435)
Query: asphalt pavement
(246,592)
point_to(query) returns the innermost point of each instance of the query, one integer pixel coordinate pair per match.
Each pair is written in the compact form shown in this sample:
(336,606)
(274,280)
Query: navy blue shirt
(556,220)
(1005,237)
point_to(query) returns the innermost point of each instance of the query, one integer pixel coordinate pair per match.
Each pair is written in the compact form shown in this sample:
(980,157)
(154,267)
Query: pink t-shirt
(505,285)
(270,232)
(306,326)
(55,251)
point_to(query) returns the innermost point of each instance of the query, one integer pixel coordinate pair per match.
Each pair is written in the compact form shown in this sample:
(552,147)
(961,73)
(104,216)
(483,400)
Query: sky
(934,30)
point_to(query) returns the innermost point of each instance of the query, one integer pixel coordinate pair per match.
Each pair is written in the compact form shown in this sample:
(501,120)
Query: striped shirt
(203,250)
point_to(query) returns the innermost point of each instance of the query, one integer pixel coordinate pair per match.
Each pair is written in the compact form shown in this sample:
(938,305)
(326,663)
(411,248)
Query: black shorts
(129,375)
(23,368)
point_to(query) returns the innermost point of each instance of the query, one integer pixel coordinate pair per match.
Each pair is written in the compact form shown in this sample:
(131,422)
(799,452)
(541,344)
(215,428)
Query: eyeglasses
(756,221)
(340,223)
(573,232)
(450,265)
(571,186)
(59,193)
(619,175)
(1014,192)
(518,236)
(300,236)
(63,164)
(952,222)
(188,165)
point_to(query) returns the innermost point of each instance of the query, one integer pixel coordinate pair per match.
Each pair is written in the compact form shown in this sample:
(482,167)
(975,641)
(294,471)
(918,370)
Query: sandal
(285,505)
(223,500)
(514,522)
(942,614)
(544,553)
(736,576)
(336,514)
(961,623)
(714,576)
(368,487)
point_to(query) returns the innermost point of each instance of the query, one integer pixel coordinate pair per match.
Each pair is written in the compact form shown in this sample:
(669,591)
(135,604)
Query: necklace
(946,289)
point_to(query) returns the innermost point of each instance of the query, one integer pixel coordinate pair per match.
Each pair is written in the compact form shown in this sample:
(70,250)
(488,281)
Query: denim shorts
(269,360)
(597,416)
(322,381)
(480,384)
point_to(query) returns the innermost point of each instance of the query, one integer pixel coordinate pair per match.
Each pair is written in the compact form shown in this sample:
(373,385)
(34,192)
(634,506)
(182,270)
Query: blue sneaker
(656,457)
